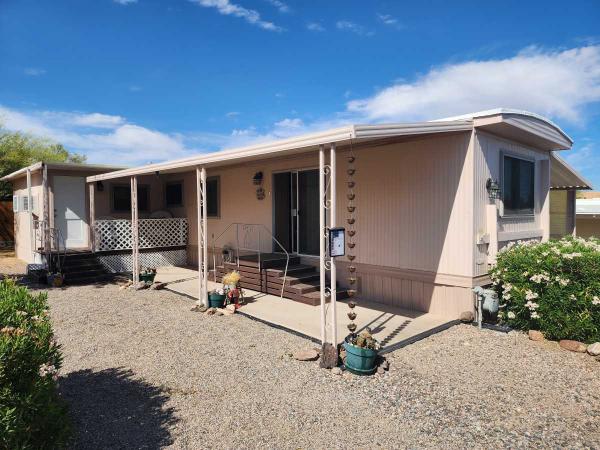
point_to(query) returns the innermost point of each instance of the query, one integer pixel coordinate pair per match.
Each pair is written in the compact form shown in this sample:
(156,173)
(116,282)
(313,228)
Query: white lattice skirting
(115,234)
(121,262)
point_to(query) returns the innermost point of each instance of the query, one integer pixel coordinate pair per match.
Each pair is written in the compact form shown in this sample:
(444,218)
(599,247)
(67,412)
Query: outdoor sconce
(493,189)
(257,179)
(99,186)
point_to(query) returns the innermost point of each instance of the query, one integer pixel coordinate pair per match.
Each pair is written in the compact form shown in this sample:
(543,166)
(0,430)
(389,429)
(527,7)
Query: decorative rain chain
(351,243)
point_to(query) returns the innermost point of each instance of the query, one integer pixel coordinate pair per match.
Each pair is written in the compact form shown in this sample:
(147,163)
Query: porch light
(493,189)
(257,178)
(99,186)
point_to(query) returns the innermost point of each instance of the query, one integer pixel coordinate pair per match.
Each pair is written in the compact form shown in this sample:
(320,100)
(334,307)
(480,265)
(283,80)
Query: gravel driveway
(143,371)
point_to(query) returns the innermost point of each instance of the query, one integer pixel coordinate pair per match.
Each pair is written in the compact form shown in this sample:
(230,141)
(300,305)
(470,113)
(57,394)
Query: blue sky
(136,81)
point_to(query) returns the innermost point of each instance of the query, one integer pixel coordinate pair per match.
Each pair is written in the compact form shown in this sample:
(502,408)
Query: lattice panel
(153,233)
(122,262)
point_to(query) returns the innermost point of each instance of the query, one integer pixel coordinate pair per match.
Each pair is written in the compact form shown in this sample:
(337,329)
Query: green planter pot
(216,300)
(146,277)
(360,361)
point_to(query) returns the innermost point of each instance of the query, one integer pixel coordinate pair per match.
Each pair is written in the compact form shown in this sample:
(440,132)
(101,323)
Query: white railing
(115,234)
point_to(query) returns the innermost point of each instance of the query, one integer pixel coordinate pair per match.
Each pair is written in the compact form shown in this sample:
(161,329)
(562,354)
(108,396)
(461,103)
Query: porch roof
(60,166)
(563,176)
(520,125)
(300,144)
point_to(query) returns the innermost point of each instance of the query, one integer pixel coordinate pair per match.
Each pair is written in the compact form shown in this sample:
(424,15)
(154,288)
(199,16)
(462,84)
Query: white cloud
(315,26)
(281,6)
(103,138)
(34,72)
(135,88)
(232,114)
(387,19)
(125,2)
(227,8)
(557,84)
(346,25)
(583,158)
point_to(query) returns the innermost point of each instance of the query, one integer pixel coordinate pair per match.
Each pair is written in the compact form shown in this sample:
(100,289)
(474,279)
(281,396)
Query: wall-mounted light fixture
(99,186)
(493,189)
(257,179)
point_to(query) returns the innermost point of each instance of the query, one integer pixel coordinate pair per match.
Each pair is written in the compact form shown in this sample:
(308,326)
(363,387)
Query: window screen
(518,186)
(213,200)
(121,198)
(174,194)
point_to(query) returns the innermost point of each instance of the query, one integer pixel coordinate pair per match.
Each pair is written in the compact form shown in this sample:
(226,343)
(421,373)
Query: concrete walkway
(390,325)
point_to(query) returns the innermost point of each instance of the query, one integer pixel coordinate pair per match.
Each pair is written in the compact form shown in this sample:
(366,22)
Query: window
(213,196)
(121,198)
(518,186)
(174,194)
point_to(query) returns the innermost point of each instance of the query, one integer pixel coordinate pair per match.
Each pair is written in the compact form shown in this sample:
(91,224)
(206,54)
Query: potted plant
(361,353)
(216,298)
(147,275)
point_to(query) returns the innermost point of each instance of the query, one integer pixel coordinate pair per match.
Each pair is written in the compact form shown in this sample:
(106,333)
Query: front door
(69,211)
(296,211)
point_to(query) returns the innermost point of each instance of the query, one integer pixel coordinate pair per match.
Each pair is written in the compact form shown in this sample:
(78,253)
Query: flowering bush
(553,287)
(31,413)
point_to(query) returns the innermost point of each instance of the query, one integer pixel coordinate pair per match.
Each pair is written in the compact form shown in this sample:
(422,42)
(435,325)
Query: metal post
(46,213)
(200,237)
(30,213)
(92,216)
(134,232)
(332,224)
(322,241)
(204,237)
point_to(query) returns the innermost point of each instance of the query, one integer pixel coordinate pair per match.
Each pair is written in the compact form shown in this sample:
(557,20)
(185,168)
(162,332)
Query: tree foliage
(18,150)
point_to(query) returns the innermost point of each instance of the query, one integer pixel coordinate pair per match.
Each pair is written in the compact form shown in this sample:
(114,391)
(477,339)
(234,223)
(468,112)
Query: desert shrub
(552,286)
(32,415)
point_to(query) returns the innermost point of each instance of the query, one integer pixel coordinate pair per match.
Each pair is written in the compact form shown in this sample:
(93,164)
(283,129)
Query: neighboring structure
(565,183)
(588,215)
(7,229)
(434,203)
(50,198)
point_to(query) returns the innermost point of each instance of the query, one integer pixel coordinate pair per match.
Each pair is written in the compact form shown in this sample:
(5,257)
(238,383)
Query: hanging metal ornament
(351,241)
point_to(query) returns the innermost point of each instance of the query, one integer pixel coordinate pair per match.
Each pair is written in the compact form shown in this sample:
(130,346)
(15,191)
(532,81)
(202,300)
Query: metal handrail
(260,226)
(50,238)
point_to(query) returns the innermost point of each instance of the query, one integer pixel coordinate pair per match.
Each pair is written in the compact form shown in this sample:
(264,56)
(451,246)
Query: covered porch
(394,327)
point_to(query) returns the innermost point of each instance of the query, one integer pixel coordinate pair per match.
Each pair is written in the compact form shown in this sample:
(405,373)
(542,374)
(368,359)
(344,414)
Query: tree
(18,150)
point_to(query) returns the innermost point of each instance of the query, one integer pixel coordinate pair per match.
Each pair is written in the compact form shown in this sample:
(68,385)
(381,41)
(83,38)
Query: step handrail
(260,227)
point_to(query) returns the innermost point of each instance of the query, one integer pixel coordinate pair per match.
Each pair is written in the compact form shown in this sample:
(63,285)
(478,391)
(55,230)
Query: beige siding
(488,151)
(562,213)
(23,247)
(588,227)
(414,228)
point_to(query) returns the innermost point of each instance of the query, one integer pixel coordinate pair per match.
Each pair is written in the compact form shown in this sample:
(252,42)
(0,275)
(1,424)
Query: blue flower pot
(360,361)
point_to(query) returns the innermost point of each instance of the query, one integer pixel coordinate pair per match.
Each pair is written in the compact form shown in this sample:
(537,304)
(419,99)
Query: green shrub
(32,415)
(553,287)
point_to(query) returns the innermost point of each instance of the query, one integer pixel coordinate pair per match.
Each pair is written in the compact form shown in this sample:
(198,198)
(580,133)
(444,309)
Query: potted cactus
(361,353)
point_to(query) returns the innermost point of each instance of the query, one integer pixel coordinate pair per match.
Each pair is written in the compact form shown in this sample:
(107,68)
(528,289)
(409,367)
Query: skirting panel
(121,262)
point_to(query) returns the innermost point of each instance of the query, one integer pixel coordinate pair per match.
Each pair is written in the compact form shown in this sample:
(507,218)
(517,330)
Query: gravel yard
(143,371)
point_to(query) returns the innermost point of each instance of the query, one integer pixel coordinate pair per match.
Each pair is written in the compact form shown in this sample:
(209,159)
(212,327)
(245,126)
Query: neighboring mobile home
(588,215)
(427,206)
(52,194)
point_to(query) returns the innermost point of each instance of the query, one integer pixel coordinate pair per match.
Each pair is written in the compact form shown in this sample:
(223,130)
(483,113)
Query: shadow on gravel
(111,409)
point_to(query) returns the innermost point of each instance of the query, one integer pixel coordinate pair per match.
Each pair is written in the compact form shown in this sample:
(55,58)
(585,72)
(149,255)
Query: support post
(201,236)
(134,232)
(46,214)
(92,189)
(30,213)
(204,237)
(322,231)
(332,224)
